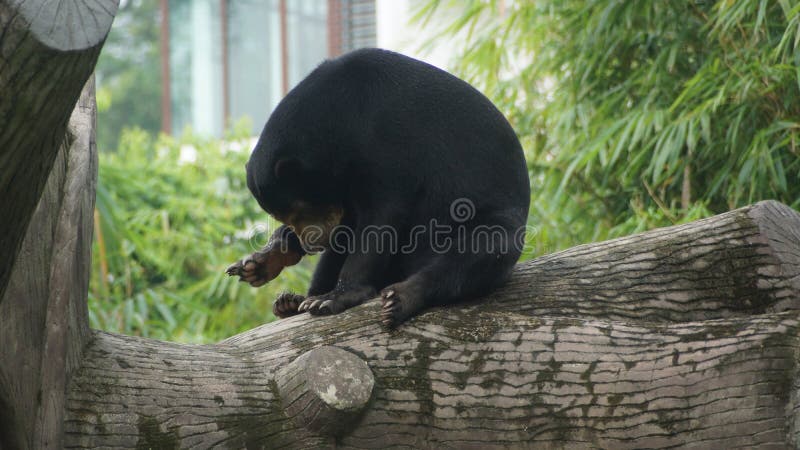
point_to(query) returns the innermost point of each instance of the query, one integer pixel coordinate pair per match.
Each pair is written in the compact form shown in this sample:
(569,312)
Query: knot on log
(325,389)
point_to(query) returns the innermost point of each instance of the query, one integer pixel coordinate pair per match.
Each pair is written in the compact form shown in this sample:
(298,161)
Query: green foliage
(169,225)
(128,76)
(633,115)
(638,114)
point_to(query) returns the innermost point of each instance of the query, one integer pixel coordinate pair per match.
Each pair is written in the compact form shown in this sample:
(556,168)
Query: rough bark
(47,52)
(48,158)
(736,264)
(684,336)
(43,314)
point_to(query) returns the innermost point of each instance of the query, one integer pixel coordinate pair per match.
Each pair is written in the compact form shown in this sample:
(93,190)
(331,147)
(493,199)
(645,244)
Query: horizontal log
(510,371)
(735,264)
(456,379)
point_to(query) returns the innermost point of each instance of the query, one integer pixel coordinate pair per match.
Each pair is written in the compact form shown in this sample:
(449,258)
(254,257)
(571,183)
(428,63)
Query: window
(196,66)
(227,57)
(254,59)
(307,33)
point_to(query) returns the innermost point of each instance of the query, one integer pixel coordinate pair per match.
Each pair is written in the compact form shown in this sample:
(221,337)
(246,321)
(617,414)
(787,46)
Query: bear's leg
(474,267)
(364,268)
(286,305)
(327,272)
(356,284)
(282,250)
(324,280)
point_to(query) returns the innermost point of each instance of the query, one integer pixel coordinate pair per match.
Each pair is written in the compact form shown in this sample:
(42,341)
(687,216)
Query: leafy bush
(633,115)
(171,215)
(638,114)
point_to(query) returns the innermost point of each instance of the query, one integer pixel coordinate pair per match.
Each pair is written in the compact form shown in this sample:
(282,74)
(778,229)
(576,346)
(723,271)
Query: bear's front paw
(336,301)
(321,306)
(264,265)
(255,269)
(287,305)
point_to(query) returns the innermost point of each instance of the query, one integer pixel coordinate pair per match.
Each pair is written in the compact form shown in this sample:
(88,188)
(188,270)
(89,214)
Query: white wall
(395,33)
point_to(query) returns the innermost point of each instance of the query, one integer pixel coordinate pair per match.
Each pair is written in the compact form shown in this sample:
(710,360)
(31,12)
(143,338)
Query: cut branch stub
(325,389)
(67,26)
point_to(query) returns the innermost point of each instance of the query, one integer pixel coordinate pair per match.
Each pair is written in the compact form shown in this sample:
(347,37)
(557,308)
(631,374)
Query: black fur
(392,141)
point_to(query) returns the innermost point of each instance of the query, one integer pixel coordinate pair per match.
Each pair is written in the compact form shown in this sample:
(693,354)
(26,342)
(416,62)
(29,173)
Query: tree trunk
(47,52)
(683,336)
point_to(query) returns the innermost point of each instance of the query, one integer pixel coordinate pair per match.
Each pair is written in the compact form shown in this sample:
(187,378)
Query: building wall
(230,59)
(195,65)
(396,32)
(359,27)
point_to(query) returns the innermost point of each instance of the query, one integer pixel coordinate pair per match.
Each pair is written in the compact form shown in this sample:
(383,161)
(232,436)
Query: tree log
(47,52)
(48,158)
(44,313)
(732,265)
(684,336)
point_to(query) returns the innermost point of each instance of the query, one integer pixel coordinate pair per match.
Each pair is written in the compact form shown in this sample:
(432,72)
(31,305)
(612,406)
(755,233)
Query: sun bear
(408,180)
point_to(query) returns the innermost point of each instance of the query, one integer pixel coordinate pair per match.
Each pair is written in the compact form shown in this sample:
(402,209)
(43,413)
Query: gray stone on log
(325,389)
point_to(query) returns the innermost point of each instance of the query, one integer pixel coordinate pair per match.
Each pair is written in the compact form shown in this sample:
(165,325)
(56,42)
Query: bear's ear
(288,169)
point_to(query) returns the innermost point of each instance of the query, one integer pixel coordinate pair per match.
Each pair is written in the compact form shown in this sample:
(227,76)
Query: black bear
(411,183)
